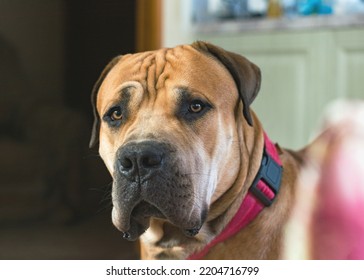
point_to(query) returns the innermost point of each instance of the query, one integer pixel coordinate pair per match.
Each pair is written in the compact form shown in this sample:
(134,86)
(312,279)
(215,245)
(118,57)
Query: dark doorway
(52,184)
(96,32)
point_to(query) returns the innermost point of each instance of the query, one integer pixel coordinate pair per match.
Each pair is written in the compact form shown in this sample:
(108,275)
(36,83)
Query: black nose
(140,159)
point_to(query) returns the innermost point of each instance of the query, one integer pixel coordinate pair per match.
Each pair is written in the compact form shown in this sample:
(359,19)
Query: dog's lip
(145,210)
(138,221)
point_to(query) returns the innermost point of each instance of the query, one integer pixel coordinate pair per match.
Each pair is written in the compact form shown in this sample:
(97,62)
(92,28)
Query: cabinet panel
(280,104)
(351,74)
(349,63)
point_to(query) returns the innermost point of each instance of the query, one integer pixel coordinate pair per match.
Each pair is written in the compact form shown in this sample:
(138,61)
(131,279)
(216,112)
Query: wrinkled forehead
(168,69)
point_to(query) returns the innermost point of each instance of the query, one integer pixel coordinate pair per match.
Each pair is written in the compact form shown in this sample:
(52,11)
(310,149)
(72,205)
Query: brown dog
(184,149)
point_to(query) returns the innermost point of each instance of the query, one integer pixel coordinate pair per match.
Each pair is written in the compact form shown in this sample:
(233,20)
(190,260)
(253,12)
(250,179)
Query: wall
(176,23)
(36,29)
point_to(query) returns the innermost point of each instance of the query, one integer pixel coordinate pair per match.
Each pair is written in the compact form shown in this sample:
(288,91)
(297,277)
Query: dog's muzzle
(149,181)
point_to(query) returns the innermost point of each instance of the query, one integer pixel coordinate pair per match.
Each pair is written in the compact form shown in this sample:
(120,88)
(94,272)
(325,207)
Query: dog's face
(167,134)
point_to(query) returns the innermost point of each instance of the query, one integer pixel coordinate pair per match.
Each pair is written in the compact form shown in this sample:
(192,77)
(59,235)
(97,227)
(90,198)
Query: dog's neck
(261,194)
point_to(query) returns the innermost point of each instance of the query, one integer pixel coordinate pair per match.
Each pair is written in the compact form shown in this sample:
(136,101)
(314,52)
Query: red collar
(262,193)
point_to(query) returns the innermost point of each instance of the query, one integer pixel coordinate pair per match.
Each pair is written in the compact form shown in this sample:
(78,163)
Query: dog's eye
(116,114)
(196,106)
(191,108)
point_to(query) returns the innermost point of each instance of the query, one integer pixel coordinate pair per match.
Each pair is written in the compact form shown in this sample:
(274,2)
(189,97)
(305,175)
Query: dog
(194,174)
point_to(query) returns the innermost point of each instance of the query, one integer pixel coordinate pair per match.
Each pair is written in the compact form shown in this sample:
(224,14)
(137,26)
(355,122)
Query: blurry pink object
(328,220)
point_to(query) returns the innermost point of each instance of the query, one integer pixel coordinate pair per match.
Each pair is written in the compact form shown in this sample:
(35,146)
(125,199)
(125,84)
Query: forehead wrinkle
(153,68)
(145,62)
(144,72)
(160,69)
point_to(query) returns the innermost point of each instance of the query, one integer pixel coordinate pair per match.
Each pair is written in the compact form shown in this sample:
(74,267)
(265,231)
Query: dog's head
(166,125)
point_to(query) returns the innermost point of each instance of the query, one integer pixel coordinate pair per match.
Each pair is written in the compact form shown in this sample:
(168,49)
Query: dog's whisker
(105,200)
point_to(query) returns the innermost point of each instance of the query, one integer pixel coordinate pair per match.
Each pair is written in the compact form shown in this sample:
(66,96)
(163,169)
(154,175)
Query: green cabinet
(302,71)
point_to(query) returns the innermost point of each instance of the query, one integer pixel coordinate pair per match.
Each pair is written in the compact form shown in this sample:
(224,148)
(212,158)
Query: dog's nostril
(126,163)
(151,160)
(140,160)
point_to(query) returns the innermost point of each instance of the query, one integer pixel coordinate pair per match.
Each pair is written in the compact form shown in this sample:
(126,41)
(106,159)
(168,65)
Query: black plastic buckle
(271,173)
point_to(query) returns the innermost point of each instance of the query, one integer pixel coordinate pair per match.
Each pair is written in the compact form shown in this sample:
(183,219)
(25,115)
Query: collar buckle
(271,173)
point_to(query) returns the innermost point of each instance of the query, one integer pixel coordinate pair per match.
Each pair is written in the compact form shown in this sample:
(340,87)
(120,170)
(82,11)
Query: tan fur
(228,148)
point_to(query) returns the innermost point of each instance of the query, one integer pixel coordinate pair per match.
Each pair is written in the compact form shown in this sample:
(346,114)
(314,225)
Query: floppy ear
(96,126)
(246,75)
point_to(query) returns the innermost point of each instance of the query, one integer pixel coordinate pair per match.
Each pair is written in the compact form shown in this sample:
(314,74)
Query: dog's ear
(246,75)
(96,125)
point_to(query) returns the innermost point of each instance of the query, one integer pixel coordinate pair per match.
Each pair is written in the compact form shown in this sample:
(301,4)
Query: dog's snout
(140,159)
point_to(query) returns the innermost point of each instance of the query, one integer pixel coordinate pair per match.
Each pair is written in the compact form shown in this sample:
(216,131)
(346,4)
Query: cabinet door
(349,63)
(290,96)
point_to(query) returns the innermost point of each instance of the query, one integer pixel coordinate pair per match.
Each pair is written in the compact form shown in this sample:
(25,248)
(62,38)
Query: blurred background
(54,190)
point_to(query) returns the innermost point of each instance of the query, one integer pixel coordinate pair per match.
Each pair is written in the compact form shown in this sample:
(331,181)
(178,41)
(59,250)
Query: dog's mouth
(145,186)
(139,221)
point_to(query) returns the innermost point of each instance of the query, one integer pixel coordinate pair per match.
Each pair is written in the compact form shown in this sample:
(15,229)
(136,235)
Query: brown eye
(196,106)
(116,114)
(114,117)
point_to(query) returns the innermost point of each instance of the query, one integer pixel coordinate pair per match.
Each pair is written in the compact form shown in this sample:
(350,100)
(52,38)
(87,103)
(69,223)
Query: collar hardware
(271,173)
